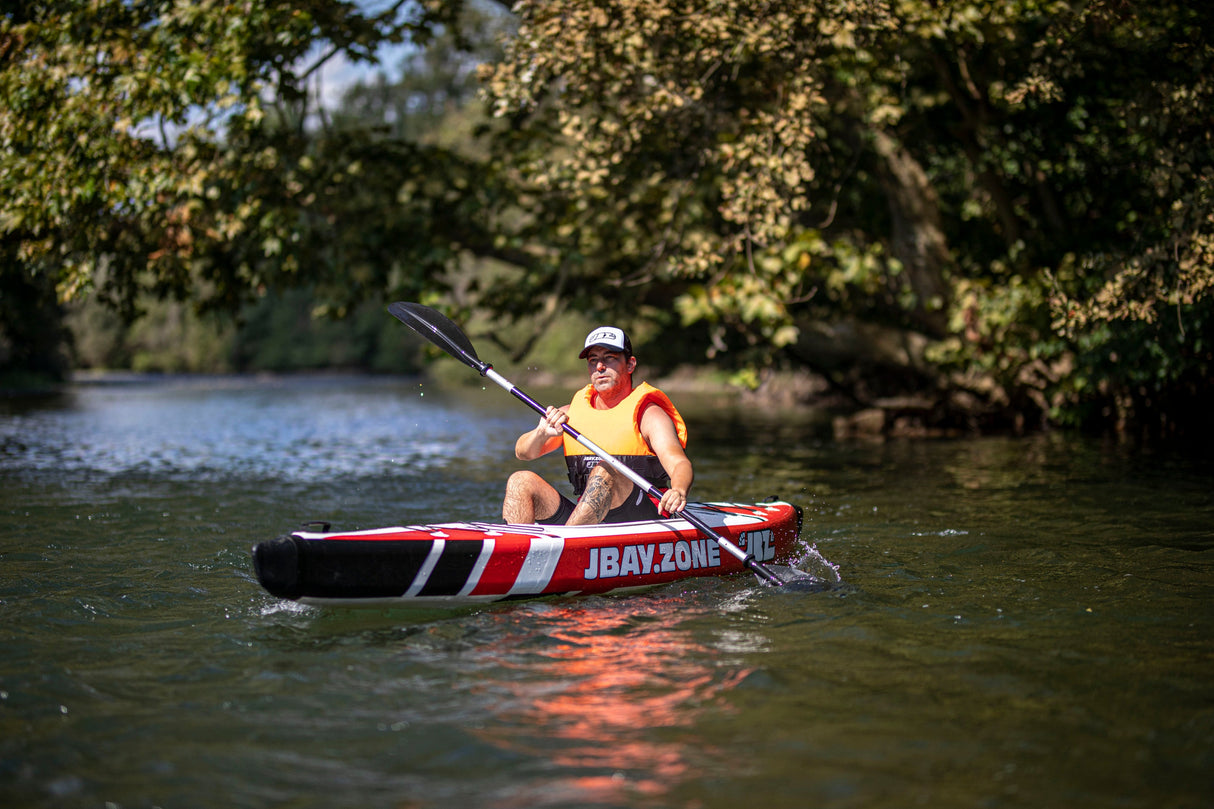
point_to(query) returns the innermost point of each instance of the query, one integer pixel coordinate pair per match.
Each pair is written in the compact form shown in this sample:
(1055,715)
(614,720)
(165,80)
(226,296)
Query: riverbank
(915,416)
(895,417)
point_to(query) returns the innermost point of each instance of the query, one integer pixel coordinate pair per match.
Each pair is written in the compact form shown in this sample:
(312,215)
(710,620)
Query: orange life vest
(618,431)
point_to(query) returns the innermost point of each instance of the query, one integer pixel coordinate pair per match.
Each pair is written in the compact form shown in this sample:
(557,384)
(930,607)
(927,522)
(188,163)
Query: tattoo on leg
(595,502)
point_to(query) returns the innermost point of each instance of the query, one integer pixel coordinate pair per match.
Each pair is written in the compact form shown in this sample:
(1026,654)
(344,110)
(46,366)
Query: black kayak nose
(276,563)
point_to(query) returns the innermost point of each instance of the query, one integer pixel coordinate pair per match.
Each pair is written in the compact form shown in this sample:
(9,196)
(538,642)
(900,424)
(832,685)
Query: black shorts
(638,506)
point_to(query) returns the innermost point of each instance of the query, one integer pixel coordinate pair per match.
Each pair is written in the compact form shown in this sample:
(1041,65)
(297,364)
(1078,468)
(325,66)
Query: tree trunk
(916,238)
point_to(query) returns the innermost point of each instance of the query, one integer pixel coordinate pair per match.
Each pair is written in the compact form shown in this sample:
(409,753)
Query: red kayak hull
(455,563)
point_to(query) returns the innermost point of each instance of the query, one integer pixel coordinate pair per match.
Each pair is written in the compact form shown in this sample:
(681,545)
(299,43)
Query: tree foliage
(176,149)
(1024,184)
(1007,206)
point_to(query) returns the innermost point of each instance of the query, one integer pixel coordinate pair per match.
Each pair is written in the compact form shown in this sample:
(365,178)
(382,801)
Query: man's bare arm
(544,438)
(659,432)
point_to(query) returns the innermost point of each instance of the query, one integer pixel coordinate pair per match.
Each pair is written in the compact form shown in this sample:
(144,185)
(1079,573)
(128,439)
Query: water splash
(819,566)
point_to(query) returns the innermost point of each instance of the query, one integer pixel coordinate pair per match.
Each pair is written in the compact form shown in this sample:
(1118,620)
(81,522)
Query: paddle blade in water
(798,581)
(438,329)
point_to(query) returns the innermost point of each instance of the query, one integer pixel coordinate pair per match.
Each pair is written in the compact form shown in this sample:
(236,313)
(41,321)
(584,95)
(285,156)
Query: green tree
(175,149)
(996,201)
(1006,206)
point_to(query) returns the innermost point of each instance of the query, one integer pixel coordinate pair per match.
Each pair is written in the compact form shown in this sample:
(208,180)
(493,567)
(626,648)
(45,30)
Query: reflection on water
(594,689)
(301,430)
(1021,623)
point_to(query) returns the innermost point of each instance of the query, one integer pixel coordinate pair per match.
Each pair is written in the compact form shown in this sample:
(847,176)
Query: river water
(1011,622)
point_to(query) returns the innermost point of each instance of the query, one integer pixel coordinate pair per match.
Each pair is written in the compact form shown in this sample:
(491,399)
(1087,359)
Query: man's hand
(550,423)
(544,438)
(673,500)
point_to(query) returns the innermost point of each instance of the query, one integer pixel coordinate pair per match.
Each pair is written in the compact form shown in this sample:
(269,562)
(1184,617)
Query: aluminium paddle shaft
(444,333)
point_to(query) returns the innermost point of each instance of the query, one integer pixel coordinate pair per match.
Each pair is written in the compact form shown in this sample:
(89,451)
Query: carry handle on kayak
(442,331)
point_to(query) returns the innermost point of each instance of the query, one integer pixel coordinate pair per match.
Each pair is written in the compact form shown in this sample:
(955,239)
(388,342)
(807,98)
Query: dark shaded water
(1020,622)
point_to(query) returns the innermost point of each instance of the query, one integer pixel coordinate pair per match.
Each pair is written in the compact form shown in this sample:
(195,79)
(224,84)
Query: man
(637,424)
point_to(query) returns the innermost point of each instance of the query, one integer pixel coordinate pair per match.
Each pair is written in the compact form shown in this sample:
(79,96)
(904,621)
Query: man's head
(609,360)
(608,337)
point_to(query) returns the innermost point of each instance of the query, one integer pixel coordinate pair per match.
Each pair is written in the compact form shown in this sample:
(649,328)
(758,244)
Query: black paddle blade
(438,329)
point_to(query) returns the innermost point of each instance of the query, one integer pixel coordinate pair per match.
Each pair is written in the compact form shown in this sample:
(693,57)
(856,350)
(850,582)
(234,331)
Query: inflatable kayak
(468,563)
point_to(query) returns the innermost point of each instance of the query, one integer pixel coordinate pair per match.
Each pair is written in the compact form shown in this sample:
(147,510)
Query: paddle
(440,330)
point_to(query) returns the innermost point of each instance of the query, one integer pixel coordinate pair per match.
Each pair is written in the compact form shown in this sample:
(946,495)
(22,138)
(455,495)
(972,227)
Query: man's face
(608,369)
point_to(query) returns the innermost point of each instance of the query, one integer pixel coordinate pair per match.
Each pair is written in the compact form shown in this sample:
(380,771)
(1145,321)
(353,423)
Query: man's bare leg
(604,491)
(528,498)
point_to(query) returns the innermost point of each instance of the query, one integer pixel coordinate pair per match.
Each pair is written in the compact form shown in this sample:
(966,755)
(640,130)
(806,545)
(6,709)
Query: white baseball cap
(608,337)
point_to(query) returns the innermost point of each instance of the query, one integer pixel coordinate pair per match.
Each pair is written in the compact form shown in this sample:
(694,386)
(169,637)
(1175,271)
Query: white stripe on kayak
(539,565)
(474,578)
(423,575)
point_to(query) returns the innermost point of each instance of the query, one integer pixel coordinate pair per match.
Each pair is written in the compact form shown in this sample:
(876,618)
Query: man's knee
(618,483)
(523,482)
(601,472)
(528,497)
